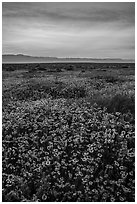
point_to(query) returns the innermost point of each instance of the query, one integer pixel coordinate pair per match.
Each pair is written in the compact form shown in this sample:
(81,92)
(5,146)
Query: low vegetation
(68,135)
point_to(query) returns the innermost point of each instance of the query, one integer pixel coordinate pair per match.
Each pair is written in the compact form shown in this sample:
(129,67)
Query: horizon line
(19,54)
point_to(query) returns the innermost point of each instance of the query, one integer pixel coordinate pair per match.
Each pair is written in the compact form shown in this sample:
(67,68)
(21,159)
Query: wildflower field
(68,132)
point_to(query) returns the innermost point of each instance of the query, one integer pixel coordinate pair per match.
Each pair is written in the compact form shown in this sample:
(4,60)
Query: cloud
(69,29)
(95,12)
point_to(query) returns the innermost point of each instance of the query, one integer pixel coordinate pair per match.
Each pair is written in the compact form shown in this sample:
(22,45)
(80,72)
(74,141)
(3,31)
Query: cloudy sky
(70,29)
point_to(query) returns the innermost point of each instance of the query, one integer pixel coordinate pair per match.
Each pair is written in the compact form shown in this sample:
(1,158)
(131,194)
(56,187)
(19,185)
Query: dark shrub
(73,92)
(122,103)
(125,66)
(9,69)
(111,79)
(70,68)
(58,69)
(118,103)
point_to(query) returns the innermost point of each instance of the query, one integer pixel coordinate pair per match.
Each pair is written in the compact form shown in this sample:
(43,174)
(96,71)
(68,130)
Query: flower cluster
(68,132)
(57,151)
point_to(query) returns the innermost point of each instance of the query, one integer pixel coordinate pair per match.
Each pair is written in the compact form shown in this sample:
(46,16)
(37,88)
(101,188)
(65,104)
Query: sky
(69,29)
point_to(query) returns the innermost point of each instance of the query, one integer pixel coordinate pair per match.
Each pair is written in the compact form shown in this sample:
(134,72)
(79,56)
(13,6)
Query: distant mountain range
(20,58)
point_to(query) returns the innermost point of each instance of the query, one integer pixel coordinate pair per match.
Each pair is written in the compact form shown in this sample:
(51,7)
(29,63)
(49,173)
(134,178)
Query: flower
(68,148)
